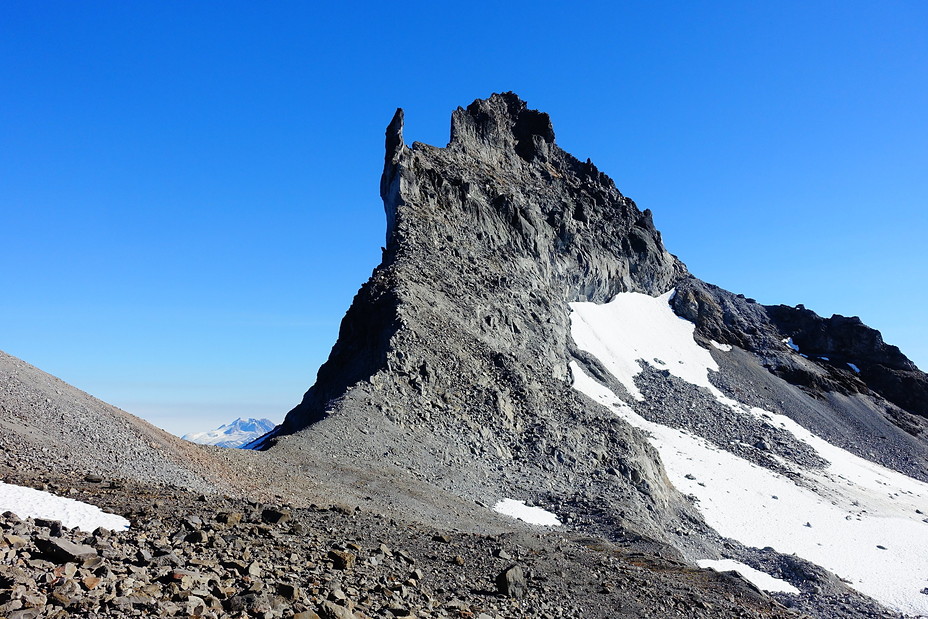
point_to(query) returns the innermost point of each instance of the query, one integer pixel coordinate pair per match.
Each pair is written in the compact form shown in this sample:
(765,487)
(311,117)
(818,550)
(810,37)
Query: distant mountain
(235,434)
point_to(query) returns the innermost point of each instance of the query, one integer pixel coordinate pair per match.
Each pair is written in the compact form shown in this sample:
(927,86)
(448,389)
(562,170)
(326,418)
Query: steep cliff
(453,366)
(455,353)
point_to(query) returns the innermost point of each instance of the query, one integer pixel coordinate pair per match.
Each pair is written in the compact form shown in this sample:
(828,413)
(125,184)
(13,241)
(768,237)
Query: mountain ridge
(522,344)
(46,423)
(456,363)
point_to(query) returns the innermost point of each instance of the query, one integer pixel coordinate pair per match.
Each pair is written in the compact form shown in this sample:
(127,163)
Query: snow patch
(863,521)
(789,342)
(854,367)
(531,515)
(635,326)
(31,503)
(722,347)
(855,518)
(759,579)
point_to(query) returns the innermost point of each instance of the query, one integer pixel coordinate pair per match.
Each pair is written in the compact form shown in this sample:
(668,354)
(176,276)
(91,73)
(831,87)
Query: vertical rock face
(488,239)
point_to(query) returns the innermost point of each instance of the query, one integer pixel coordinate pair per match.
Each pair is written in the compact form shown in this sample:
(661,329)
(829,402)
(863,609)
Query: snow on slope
(235,434)
(855,518)
(525,513)
(758,578)
(31,503)
(628,328)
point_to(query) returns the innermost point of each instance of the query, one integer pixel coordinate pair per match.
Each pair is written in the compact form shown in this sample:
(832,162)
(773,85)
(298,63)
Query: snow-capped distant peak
(235,434)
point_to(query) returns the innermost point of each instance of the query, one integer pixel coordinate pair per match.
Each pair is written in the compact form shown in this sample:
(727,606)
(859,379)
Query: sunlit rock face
(455,366)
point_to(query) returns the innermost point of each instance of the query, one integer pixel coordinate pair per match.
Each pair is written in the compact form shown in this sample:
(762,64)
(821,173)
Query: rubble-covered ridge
(47,424)
(185,556)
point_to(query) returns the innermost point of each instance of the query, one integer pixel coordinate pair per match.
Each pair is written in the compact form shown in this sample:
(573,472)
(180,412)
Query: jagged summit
(458,372)
(503,169)
(501,211)
(502,122)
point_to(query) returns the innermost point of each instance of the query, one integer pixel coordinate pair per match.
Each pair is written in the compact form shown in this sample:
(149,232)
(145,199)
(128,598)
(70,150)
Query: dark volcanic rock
(843,340)
(62,550)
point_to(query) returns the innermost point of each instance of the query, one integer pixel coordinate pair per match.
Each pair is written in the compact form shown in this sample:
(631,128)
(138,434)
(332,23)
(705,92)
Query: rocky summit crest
(452,365)
(455,353)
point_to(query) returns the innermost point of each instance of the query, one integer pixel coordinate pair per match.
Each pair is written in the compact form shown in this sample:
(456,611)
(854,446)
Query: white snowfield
(31,503)
(855,518)
(627,329)
(525,513)
(760,579)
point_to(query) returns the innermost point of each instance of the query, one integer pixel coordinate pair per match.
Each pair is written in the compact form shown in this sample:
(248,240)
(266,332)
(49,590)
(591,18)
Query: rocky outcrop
(452,364)
(501,219)
(837,354)
(848,342)
(455,352)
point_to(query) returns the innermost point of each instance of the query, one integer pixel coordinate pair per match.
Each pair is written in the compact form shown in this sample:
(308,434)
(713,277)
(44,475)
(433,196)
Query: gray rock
(330,610)
(228,518)
(54,526)
(342,560)
(288,591)
(512,582)
(63,550)
(275,516)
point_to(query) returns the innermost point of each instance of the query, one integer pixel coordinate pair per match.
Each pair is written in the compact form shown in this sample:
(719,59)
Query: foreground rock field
(195,556)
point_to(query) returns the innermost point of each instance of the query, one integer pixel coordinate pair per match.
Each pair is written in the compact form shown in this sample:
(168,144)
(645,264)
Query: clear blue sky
(189,191)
